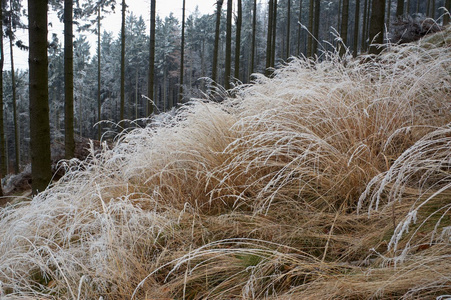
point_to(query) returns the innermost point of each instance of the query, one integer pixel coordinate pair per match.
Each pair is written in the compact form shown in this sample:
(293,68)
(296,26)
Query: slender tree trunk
(3,162)
(182,55)
(269,37)
(316,26)
(99,104)
(287,55)
(228,58)
(377,25)
(365,25)
(274,32)
(122,106)
(344,27)
(433,9)
(310,28)
(356,28)
(239,18)
(69,142)
(400,8)
(136,94)
(39,103)
(13,84)
(151,77)
(214,71)
(254,32)
(299,29)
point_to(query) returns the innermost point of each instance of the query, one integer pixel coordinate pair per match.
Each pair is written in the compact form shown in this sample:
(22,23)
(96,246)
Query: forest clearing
(332,179)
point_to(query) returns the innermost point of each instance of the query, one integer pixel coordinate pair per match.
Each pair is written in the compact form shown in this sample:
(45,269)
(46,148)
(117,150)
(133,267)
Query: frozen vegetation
(330,180)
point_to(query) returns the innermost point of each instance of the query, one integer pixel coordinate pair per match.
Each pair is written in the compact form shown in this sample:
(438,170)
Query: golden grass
(330,180)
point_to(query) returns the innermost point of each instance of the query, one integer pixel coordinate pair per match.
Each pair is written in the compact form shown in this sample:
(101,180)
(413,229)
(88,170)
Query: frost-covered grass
(330,180)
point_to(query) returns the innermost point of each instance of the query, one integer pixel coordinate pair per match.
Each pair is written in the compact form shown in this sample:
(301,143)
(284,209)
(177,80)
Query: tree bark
(239,19)
(254,32)
(299,29)
(69,142)
(182,54)
(310,28)
(446,17)
(377,26)
(214,71)
(316,27)
(99,104)
(287,54)
(122,105)
(356,27)
(344,27)
(39,104)
(400,8)
(3,168)
(269,37)
(151,77)
(228,58)
(274,32)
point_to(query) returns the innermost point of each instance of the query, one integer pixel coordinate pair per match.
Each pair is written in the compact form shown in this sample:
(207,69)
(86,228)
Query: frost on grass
(259,196)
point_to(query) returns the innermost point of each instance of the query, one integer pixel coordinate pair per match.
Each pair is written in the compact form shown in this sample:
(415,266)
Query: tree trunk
(239,18)
(228,58)
(151,77)
(365,25)
(269,37)
(356,28)
(400,8)
(287,54)
(310,28)
(214,71)
(3,161)
(122,106)
(299,29)
(69,142)
(182,54)
(344,27)
(13,85)
(316,27)
(39,105)
(274,31)
(254,32)
(377,26)
(99,104)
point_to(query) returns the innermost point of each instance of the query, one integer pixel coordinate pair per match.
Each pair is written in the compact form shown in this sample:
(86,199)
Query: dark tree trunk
(69,142)
(377,26)
(122,106)
(151,78)
(228,58)
(299,29)
(269,37)
(182,54)
(316,27)
(239,18)
(356,28)
(274,31)
(99,104)
(446,17)
(310,28)
(287,54)
(3,162)
(400,8)
(344,27)
(214,71)
(254,32)
(39,105)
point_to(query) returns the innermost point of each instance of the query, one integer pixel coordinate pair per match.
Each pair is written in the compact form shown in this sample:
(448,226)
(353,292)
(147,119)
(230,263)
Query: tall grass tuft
(329,180)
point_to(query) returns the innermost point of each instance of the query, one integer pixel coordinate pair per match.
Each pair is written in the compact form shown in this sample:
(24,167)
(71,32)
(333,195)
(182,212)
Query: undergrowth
(329,180)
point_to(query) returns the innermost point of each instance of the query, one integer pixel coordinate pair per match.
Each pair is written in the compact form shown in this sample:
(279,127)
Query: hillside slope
(330,180)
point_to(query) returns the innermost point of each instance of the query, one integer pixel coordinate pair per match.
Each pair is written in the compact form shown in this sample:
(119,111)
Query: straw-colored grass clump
(329,180)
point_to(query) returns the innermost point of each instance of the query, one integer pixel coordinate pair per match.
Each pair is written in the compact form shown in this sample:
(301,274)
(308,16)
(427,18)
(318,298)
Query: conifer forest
(268,149)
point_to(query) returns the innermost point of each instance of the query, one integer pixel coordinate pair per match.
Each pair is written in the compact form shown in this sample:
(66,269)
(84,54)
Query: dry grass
(330,180)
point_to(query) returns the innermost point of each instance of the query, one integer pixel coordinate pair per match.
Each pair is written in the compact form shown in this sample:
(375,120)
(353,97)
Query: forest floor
(331,179)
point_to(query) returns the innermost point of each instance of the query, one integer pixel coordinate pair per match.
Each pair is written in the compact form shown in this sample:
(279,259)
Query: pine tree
(400,8)
(254,33)
(269,37)
(356,27)
(228,58)
(214,70)
(344,26)
(122,108)
(446,16)
(239,20)
(39,105)
(3,163)
(182,54)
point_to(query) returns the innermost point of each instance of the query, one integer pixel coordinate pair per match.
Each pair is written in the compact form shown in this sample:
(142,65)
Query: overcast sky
(112,22)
